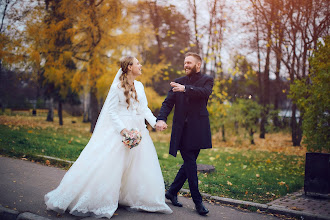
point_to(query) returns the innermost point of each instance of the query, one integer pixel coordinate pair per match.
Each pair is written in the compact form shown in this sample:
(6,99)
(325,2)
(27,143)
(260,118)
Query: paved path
(300,202)
(23,185)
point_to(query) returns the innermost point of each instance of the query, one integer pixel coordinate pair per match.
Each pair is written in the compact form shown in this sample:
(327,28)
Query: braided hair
(129,90)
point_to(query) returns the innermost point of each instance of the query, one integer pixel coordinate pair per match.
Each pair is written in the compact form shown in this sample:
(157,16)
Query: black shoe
(200,208)
(174,199)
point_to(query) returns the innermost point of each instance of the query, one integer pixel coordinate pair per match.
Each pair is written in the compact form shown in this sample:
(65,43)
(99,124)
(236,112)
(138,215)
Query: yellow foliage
(154,100)
(151,71)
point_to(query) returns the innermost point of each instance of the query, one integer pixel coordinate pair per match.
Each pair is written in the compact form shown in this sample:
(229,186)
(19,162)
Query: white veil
(103,118)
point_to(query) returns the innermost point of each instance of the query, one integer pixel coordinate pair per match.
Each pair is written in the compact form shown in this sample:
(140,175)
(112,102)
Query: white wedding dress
(106,172)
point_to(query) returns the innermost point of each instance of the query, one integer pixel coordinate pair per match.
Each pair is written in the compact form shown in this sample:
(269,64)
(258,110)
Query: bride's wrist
(124,132)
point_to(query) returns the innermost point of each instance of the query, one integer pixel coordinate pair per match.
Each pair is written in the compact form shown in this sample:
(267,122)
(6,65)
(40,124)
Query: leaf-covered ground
(259,173)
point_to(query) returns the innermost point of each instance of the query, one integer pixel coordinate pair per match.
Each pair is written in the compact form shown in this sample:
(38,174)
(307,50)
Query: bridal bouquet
(132,138)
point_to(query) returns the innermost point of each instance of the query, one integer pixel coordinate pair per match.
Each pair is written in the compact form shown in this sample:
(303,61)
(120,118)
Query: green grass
(250,175)
(35,141)
(241,174)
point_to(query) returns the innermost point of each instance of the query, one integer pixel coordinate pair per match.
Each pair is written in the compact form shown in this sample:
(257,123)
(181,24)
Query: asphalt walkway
(23,185)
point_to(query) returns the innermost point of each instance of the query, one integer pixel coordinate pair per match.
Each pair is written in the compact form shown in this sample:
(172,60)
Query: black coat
(191,125)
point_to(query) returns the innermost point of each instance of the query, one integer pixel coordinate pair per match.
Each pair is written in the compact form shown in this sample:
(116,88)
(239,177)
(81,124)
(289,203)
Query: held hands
(161,125)
(177,87)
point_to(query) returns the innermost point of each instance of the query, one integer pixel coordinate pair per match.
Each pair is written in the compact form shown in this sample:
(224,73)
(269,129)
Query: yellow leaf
(268,161)
(281,183)
(229,183)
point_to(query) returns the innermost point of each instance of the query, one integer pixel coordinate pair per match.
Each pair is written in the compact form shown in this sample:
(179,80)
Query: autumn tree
(170,37)
(13,13)
(264,10)
(307,21)
(82,33)
(215,30)
(311,94)
(192,5)
(287,31)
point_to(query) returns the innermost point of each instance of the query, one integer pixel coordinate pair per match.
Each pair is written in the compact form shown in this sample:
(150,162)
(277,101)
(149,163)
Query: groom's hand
(177,87)
(161,125)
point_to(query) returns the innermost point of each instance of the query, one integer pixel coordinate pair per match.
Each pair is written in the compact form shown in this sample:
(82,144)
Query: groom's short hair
(195,55)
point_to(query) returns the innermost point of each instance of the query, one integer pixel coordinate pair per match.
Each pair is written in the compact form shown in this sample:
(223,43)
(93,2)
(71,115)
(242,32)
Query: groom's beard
(192,71)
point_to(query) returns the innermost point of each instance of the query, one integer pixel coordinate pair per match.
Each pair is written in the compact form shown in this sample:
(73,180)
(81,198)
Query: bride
(108,173)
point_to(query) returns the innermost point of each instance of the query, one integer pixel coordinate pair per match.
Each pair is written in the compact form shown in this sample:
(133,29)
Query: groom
(191,127)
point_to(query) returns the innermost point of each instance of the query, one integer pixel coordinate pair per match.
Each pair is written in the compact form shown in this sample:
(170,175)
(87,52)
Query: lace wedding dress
(106,172)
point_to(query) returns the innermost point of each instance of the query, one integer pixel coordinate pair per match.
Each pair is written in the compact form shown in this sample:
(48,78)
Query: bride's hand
(161,125)
(124,131)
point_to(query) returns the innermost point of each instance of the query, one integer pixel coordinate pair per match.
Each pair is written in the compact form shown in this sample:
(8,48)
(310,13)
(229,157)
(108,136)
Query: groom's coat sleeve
(200,92)
(167,106)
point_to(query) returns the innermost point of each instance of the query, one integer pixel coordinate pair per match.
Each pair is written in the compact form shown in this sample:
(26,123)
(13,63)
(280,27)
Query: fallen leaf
(296,208)
(229,183)
(257,175)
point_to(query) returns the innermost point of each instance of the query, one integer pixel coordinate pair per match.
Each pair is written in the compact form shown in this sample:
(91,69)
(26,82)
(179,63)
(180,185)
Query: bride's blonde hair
(129,90)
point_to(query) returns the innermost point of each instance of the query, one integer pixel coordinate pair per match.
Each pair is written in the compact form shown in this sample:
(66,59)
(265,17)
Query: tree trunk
(2,103)
(50,115)
(277,88)
(60,116)
(262,124)
(277,99)
(94,105)
(86,116)
(299,130)
(156,24)
(265,103)
(193,7)
(251,136)
(294,126)
(236,127)
(259,74)
(223,133)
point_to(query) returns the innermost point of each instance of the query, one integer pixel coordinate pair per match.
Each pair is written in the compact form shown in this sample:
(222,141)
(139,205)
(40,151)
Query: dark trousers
(187,171)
